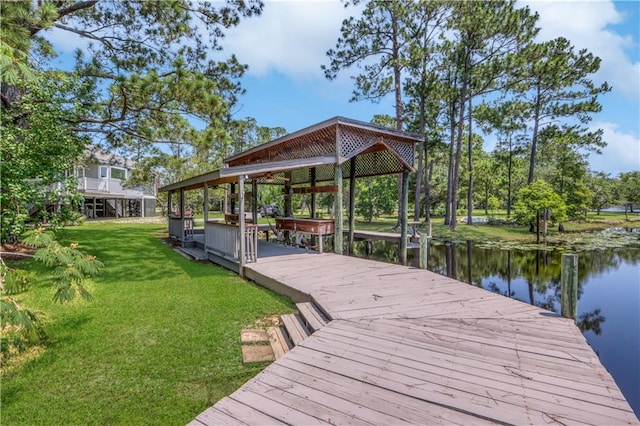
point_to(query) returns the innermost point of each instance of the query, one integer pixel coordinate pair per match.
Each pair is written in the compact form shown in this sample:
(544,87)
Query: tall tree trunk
(534,142)
(420,171)
(427,188)
(452,129)
(398,95)
(470,155)
(458,160)
(509,172)
(486,200)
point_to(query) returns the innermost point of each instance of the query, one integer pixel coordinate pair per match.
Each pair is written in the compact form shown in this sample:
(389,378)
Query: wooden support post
(254,200)
(206,202)
(182,216)
(569,286)
(169,210)
(241,222)
(312,207)
(313,195)
(288,210)
(337,201)
(424,250)
(402,254)
(233,200)
(337,212)
(352,202)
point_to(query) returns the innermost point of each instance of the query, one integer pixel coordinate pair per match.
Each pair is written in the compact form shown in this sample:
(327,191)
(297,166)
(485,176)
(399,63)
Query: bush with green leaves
(38,148)
(22,326)
(376,196)
(535,198)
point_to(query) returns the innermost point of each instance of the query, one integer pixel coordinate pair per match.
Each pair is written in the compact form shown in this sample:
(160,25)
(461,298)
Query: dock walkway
(408,346)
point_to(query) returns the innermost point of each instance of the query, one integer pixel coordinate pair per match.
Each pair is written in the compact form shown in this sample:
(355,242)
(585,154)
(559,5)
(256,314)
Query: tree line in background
(150,82)
(459,71)
(153,84)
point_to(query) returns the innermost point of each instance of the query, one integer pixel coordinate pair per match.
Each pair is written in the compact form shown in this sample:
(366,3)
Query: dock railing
(251,243)
(176,229)
(222,239)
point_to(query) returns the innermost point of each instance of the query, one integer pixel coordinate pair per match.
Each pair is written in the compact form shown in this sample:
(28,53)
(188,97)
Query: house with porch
(101,177)
(317,159)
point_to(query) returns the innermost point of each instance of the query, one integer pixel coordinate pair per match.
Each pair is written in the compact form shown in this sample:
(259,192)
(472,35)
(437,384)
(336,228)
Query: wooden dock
(408,346)
(381,236)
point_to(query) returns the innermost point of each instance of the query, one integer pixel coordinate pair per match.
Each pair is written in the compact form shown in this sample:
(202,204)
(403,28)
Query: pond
(609,291)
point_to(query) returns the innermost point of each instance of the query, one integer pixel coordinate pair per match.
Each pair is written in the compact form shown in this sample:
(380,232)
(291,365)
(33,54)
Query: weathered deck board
(460,385)
(411,346)
(312,317)
(458,363)
(411,410)
(581,370)
(243,413)
(213,416)
(420,360)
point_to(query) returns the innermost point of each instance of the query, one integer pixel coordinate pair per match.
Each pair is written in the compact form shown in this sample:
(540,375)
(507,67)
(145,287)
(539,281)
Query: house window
(80,172)
(103,172)
(118,173)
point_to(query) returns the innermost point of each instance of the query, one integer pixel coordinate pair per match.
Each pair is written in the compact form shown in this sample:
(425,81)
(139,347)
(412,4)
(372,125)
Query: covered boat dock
(317,159)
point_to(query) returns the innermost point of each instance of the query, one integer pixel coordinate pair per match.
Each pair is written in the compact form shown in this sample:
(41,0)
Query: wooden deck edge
(311,315)
(295,295)
(225,263)
(320,308)
(295,328)
(182,253)
(193,253)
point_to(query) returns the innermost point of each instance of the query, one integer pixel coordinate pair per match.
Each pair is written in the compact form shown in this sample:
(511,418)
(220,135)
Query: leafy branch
(22,326)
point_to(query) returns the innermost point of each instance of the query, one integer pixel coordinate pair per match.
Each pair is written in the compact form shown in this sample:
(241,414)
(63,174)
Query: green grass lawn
(158,345)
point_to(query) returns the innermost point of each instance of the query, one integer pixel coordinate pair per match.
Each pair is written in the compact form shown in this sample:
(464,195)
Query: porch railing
(223,240)
(113,186)
(176,229)
(251,243)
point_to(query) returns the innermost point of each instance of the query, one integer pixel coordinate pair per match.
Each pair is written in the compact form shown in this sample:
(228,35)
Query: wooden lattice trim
(315,144)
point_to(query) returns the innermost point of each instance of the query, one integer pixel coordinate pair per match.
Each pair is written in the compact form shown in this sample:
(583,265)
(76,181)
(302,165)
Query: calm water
(609,292)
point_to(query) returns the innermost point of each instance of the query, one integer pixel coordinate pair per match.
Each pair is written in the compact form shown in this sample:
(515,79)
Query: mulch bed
(16,251)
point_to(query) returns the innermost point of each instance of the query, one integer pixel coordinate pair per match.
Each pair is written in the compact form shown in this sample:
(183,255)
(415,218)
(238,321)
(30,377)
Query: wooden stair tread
(312,317)
(295,328)
(279,342)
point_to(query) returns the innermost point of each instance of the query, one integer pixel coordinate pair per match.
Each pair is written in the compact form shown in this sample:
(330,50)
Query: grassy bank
(514,233)
(159,344)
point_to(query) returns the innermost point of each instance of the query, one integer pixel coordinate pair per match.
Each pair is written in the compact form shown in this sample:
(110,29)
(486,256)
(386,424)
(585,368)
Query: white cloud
(622,153)
(585,24)
(290,37)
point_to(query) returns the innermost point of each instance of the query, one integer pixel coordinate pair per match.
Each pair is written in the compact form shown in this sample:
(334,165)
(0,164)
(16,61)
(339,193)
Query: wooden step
(295,328)
(311,315)
(191,253)
(279,342)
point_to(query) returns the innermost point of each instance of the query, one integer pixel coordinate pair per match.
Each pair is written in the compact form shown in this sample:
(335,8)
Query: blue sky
(286,45)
